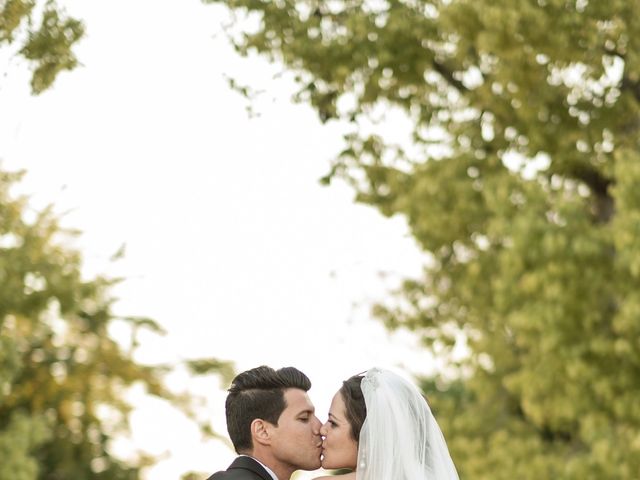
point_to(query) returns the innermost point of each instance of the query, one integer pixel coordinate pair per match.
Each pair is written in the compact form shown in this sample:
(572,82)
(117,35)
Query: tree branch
(633,87)
(448,76)
(603,206)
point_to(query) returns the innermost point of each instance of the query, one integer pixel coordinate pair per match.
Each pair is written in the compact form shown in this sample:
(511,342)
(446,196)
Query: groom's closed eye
(305,416)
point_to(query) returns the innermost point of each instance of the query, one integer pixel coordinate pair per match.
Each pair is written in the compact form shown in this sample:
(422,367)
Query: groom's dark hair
(259,393)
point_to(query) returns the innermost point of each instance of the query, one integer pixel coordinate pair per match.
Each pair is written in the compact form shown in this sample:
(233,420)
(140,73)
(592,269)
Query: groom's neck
(267,458)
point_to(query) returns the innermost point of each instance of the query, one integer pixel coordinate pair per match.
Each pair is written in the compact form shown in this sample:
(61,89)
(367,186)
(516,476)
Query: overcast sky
(231,242)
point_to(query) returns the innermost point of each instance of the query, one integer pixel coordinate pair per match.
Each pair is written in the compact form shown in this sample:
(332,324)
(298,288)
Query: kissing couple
(379,426)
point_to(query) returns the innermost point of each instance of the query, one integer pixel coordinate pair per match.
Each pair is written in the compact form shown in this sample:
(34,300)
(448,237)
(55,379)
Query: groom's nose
(316,425)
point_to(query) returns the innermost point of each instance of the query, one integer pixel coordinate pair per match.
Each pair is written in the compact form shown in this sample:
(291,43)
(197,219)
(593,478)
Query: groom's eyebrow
(308,411)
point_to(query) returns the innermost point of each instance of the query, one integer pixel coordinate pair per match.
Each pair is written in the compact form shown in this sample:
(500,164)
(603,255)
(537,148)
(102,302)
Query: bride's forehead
(337,403)
(337,398)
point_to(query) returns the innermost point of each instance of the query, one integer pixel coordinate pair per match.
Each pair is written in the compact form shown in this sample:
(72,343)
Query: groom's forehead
(298,401)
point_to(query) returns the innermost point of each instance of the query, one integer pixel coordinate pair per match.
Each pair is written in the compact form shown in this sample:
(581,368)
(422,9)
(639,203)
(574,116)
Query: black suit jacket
(243,468)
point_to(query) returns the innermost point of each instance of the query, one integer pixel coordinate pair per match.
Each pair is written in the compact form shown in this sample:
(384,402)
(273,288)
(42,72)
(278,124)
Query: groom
(272,425)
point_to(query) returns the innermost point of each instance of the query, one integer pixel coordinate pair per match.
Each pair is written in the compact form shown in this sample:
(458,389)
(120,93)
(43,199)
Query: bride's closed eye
(331,420)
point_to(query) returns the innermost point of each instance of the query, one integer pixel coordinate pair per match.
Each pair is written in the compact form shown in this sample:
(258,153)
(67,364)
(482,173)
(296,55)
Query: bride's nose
(323,429)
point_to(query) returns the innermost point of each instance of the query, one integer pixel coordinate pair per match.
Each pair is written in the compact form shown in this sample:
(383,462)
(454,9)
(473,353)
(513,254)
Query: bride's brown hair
(356,410)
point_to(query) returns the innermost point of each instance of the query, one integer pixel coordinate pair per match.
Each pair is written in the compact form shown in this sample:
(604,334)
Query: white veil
(400,439)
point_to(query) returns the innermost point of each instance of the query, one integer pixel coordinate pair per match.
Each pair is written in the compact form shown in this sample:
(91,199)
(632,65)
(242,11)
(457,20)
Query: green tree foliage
(43,34)
(520,184)
(62,376)
(60,365)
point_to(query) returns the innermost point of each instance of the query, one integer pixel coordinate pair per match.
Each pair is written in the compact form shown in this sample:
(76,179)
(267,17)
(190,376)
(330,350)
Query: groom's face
(296,440)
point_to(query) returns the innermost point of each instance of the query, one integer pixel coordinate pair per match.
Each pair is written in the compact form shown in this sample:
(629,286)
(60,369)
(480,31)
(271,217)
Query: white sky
(231,243)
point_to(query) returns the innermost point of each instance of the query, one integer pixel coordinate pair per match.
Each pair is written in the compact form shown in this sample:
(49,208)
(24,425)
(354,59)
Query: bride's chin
(327,464)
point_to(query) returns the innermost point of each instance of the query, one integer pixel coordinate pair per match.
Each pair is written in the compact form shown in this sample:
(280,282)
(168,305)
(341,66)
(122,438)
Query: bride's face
(339,449)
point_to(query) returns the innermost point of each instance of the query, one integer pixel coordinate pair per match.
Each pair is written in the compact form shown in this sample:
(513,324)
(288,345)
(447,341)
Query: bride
(381,427)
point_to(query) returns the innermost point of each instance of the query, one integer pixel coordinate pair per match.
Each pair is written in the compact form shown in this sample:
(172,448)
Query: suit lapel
(248,463)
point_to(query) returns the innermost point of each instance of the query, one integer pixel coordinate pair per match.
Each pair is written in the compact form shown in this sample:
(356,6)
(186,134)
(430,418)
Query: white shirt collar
(269,471)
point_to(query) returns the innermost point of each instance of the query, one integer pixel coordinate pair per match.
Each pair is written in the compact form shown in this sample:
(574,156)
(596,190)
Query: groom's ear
(260,432)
